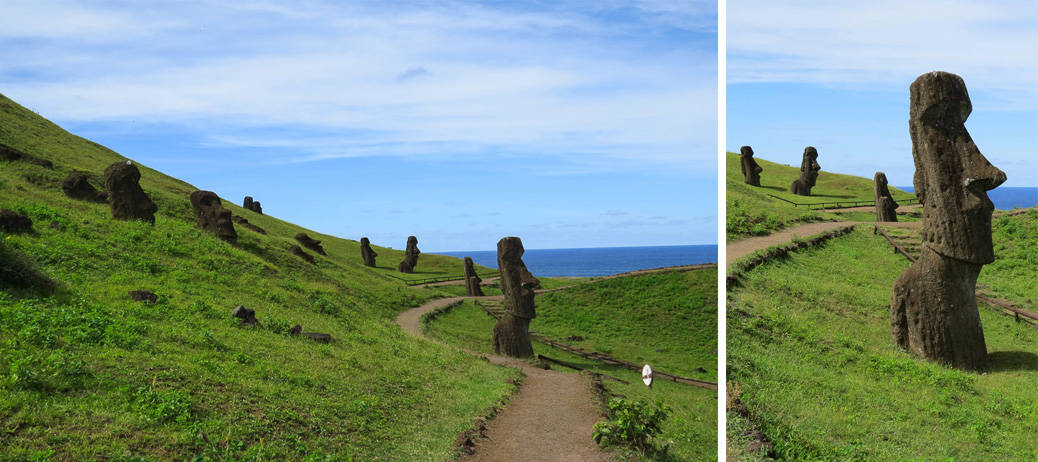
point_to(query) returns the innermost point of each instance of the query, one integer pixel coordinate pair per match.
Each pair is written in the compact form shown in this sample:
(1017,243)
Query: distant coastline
(1005,197)
(601,261)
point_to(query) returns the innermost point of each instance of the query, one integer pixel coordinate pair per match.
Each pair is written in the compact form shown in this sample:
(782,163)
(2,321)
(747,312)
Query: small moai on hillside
(933,309)
(244,223)
(249,204)
(750,169)
(125,197)
(310,243)
(77,186)
(366,252)
(210,215)
(411,253)
(512,332)
(297,251)
(886,208)
(808,173)
(472,280)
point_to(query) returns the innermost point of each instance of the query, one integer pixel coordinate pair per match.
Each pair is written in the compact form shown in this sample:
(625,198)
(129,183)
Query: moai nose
(980,175)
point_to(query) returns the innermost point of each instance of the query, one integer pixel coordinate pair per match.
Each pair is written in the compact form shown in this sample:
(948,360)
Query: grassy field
(809,348)
(86,373)
(751,211)
(668,320)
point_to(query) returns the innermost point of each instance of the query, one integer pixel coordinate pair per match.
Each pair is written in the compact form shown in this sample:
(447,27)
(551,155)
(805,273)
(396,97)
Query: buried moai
(886,208)
(808,173)
(933,309)
(750,169)
(249,204)
(411,253)
(366,253)
(210,215)
(310,243)
(472,280)
(512,331)
(76,186)
(125,197)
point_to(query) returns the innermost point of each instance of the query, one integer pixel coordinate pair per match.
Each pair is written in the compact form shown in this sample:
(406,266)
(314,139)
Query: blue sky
(569,124)
(835,75)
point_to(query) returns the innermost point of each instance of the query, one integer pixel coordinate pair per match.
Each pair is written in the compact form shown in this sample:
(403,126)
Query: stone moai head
(952,177)
(412,246)
(746,151)
(211,216)
(518,295)
(809,165)
(365,242)
(880,181)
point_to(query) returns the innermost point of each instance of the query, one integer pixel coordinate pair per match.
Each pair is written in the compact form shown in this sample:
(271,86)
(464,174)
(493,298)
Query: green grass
(752,212)
(672,312)
(1012,275)
(810,349)
(86,373)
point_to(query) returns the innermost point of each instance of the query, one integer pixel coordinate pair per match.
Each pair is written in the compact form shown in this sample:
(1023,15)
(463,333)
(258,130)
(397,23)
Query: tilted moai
(886,208)
(411,253)
(367,253)
(472,280)
(77,186)
(249,204)
(125,197)
(808,173)
(211,216)
(512,331)
(750,169)
(310,243)
(933,310)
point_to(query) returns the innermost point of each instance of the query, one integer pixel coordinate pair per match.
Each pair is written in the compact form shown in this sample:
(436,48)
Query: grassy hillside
(809,349)
(668,320)
(751,211)
(86,373)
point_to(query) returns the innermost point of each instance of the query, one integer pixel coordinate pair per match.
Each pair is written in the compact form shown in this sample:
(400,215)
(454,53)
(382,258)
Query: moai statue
(254,205)
(77,186)
(125,197)
(211,216)
(885,205)
(472,280)
(808,173)
(933,310)
(410,256)
(512,331)
(750,169)
(367,253)
(310,243)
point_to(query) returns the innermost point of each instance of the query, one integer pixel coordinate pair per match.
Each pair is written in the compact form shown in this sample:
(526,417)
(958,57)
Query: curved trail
(550,419)
(735,250)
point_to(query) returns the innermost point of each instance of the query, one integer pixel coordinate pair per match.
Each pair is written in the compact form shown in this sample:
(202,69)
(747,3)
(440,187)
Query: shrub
(633,424)
(160,406)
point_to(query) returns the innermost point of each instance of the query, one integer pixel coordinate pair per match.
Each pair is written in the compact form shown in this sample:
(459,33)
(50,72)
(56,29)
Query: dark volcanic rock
(411,253)
(512,332)
(125,196)
(808,173)
(14,222)
(211,216)
(11,154)
(886,208)
(299,253)
(750,169)
(77,186)
(472,280)
(246,315)
(933,309)
(253,205)
(143,296)
(310,243)
(366,252)
(295,330)
(317,336)
(241,221)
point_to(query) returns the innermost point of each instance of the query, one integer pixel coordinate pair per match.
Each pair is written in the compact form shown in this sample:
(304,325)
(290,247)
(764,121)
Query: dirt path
(549,420)
(872,208)
(737,249)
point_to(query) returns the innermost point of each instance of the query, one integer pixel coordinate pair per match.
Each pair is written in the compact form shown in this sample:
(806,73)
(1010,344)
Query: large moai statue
(512,331)
(411,253)
(367,253)
(933,309)
(211,216)
(886,208)
(808,173)
(254,205)
(750,169)
(472,280)
(125,197)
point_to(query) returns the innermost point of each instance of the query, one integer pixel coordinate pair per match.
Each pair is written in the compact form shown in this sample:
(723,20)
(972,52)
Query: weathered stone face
(808,173)
(750,169)
(952,177)
(249,204)
(125,197)
(310,243)
(210,215)
(367,253)
(472,280)
(512,332)
(886,208)
(411,253)
(77,186)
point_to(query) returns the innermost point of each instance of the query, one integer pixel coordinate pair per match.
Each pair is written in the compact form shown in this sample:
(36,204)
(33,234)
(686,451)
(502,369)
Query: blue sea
(1005,198)
(601,261)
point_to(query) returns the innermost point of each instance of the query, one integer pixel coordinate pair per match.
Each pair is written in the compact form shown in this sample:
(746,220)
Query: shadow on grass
(1001,361)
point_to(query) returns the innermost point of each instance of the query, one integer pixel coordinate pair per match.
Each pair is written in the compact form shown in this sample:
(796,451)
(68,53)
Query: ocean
(602,261)
(1005,198)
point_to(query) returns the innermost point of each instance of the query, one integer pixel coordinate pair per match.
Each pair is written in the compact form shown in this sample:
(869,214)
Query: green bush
(633,424)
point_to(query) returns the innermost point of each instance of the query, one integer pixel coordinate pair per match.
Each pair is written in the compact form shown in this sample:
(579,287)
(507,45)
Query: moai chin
(472,280)
(750,169)
(512,331)
(933,309)
(886,208)
(366,253)
(808,173)
(411,253)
